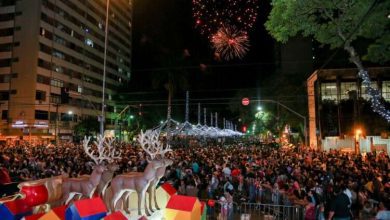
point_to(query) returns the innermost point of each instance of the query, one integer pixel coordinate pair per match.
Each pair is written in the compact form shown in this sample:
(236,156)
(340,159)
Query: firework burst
(230,43)
(209,15)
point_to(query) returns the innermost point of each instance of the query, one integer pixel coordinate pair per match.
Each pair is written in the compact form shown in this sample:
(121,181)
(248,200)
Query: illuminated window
(386,90)
(79,89)
(328,91)
(89,42)
(57,83)
(346,88)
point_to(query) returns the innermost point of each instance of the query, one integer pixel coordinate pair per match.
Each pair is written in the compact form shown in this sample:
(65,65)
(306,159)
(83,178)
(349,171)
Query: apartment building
(51,45)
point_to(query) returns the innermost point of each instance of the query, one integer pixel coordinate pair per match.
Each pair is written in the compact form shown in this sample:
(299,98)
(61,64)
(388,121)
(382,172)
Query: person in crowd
(250,172)
(383,211)
(340,206)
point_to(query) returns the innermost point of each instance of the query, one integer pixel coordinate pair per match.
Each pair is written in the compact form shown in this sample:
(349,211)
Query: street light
(358,133)
(292,111)
(102,117)
(259,108)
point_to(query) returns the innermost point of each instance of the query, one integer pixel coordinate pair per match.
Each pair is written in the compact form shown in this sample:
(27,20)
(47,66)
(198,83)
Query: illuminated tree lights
(230,43)
(215,18)
(376,98)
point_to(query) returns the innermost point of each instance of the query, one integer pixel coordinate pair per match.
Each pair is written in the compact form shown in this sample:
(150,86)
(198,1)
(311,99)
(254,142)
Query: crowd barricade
(214,212)
(271,212)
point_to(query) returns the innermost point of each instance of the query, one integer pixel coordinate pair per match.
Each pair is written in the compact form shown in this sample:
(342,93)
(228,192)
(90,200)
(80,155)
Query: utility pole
(102,116)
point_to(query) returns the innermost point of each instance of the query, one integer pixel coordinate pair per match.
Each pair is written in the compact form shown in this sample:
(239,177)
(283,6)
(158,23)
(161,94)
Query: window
(4,95)
(79,89)
(59,40)
(53,116)
(7,2)
(347,89)
(55,98)
(40,95)
(43,79)
(58,54)
(5,78)
(4,114)
(89,42)
(386,90)
(58,69)
(6,32)
(5,62)
(5,47)
(42,115)
(57,83)
(328,91)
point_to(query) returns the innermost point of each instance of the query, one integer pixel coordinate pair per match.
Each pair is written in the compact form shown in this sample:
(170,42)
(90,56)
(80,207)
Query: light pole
(102,117)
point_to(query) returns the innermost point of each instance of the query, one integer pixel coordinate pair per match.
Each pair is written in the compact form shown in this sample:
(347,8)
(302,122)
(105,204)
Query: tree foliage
(337,23)
(87,127)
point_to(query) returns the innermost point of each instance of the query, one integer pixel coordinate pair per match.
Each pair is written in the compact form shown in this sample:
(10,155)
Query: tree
(87,127)
(338,23)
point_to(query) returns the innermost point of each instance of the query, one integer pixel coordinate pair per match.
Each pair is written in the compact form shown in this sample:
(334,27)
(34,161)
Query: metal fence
(272,212)
(256,211)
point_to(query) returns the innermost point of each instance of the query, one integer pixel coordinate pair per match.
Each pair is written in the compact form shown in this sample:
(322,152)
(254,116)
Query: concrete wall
(367,144)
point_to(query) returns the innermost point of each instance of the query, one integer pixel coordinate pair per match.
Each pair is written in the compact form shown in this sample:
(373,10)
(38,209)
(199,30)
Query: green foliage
(333,22)
(87,127)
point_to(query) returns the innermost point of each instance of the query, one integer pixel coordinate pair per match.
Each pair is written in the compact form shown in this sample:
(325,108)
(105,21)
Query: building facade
(338,104)
(51,45)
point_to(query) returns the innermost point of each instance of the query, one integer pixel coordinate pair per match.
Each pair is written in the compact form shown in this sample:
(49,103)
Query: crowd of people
(328,184)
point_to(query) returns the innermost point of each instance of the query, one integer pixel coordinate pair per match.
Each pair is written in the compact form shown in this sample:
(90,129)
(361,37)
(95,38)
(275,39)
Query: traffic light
(64,95)
(244,128)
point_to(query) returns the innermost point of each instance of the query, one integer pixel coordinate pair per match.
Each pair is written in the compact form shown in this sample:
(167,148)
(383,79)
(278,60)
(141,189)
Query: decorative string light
(376,99)
(198,113)
(187,116)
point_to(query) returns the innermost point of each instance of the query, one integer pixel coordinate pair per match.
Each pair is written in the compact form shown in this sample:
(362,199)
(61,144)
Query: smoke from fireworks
(230,43)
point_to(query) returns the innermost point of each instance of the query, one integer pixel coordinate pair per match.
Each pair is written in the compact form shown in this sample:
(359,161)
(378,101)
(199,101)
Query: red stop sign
(245,101)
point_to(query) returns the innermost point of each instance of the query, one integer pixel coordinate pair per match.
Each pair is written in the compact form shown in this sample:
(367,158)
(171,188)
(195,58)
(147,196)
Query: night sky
(163,32)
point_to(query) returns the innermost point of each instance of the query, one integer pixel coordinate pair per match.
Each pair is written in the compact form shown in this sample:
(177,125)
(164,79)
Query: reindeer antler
(147,141)
(166,150)
(87,149)
(112,153)
(101,153)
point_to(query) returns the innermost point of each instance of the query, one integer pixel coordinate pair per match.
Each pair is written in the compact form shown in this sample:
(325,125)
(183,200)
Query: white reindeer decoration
(87,186)
(112,167)
(138,182)
(159,174)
